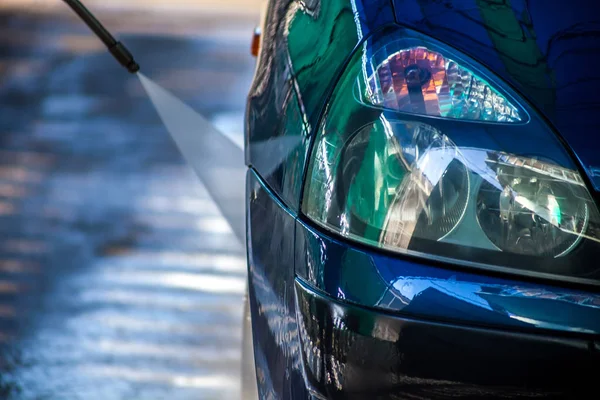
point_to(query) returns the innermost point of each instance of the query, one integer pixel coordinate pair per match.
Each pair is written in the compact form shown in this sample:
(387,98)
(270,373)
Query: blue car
(422,199)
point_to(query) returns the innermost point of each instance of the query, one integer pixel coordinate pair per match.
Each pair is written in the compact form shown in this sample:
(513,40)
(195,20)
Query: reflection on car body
(422,199)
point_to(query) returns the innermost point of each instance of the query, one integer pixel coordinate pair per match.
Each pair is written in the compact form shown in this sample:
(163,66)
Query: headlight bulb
(538,212)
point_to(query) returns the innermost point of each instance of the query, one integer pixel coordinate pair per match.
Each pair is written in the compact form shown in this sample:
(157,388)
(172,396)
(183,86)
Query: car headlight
(423,152)
(423,81)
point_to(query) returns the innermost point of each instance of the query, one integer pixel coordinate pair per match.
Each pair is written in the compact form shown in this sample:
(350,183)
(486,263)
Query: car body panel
(320,40)
(419,289)
(548,50)
(355,353)
(270,244)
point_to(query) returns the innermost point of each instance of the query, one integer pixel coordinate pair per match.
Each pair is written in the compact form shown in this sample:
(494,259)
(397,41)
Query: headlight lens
(422,81)
(488,195)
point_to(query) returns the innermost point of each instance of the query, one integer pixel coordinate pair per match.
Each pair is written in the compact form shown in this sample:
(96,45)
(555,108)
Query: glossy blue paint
(351,352)
(270,244)
(548,50)
(373,279)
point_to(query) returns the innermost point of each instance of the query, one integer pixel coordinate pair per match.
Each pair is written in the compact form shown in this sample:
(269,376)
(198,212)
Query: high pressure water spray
(215,157)
(117,49)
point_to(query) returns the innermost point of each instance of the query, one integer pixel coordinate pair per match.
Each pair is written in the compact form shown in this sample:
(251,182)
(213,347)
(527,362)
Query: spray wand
(117,49)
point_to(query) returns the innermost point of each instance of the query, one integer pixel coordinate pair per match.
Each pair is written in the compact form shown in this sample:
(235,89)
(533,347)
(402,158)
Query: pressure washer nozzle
(117,49)
(124,57)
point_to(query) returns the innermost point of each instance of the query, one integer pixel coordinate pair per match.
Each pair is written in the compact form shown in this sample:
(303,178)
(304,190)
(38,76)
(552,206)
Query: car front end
(431,228)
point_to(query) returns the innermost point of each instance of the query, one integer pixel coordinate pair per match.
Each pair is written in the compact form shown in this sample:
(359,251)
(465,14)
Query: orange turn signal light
(256,42)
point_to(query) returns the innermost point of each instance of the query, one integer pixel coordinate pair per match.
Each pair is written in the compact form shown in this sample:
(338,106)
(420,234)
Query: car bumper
(350,352)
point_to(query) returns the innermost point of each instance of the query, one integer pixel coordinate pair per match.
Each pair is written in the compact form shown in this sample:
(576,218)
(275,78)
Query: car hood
(549,51)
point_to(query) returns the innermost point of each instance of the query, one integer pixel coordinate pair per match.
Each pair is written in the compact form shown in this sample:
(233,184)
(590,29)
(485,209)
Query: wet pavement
(119,276)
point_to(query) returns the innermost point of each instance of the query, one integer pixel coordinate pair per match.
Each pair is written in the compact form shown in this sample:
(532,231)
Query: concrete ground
(119,276)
